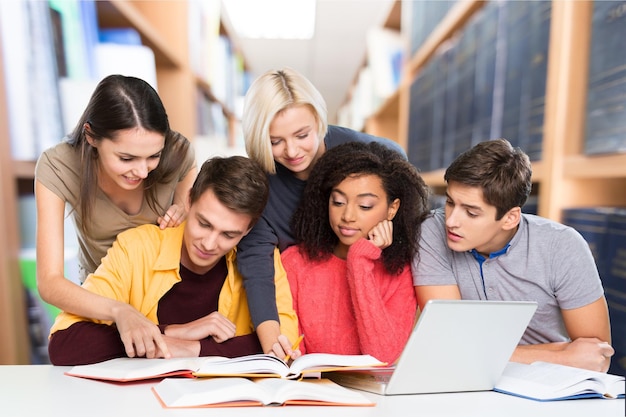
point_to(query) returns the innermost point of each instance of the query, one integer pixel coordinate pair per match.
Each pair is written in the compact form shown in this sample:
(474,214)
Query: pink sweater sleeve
(384,305)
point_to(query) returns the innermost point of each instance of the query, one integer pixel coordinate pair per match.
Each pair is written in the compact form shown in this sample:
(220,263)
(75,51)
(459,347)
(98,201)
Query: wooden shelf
(384,122)
(565,177)
(122,14)
(163,27)
(434,178)
(593,167)
(14,345)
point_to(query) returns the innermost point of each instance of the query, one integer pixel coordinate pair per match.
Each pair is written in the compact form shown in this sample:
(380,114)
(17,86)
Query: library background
(550,76)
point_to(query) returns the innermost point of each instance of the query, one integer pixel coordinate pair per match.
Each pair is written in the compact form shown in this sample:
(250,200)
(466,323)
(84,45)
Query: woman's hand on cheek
(382,234)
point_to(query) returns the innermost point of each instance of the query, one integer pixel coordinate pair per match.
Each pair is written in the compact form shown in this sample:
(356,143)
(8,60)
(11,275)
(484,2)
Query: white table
(43,390)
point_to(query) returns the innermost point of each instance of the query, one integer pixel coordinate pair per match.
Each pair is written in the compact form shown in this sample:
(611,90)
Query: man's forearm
(85,342)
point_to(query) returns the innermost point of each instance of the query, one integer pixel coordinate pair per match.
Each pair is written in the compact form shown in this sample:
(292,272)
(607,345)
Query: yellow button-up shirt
(143,264)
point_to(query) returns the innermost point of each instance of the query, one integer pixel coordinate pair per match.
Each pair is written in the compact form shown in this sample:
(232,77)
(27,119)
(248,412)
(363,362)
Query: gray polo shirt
(545,262)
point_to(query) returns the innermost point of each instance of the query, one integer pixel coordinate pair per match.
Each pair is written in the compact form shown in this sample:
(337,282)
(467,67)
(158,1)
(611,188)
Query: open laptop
(456,345)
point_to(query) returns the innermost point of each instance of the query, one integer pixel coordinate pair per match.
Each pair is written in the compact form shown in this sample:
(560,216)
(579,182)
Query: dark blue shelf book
(614,281)
(486,31)
(437,69)
(532,205)
(534,99)
(516,16)
(604,229)
(592,223)
(420,119)
(425,16)
(606,91)
(451,83)
(466,69)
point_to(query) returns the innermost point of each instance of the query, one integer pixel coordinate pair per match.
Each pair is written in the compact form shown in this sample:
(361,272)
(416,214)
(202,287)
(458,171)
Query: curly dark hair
(400,179)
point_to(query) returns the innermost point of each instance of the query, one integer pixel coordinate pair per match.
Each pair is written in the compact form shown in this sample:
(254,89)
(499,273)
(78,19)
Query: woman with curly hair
(357,228)
(286,130)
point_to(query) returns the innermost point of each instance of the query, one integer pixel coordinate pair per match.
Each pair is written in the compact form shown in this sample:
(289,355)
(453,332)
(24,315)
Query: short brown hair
(500,170)
(238,182)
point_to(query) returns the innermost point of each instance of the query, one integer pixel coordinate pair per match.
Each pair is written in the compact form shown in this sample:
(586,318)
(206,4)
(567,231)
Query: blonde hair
(270,94)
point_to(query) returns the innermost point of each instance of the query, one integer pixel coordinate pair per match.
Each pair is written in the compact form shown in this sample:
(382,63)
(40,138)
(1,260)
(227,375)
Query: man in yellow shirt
(183,279)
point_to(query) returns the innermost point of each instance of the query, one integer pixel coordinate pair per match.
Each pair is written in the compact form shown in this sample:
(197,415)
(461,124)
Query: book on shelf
(543,381)
(515,61)
(536,77)
(135,369)
(450,54)
(604,229)
(615,286)
(486,35)
(606,103)
(420,120)
(384,56)
(30,68)
(242,392)
(466,68)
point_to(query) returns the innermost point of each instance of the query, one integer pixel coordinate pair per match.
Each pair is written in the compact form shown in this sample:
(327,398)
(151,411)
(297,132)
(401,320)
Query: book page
(542,380)
(130,369)
(234,391)
(173,392)
(317,362)
(250,365)
(323,391)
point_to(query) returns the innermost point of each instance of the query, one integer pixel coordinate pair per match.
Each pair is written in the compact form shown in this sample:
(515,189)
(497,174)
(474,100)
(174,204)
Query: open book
(544,381)
(134,369)
(239,392)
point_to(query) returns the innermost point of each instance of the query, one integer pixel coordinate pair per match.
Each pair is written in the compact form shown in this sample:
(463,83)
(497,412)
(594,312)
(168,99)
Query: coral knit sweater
(351,306)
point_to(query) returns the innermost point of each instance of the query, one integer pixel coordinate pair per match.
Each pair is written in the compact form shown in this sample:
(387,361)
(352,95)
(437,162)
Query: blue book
(486,31)
(438,69)
(425,16)
(535,85)
(606,91)
(532,205)
(604,229)
(592,223)
(517,57)
(419,135)
(451,102)
(418,21)
(466,68)
(89,22)
(614,281)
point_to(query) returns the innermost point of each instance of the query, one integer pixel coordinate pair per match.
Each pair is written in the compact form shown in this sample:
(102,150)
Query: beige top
(58,169)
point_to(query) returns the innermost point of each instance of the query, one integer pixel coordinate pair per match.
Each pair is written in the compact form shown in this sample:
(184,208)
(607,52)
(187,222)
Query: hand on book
(180,348)
(585,352)
(140,336)
(285,350)
(589,353)
(213,325)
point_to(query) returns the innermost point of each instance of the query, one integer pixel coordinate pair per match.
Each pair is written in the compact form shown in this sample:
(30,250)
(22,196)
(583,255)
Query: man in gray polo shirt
(482,247)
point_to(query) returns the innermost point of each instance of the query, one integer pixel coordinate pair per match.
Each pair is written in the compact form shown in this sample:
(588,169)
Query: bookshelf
(162,26)
(564,176)
(14,347)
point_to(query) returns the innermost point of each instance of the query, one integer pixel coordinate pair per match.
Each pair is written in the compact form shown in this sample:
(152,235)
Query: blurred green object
(28,268)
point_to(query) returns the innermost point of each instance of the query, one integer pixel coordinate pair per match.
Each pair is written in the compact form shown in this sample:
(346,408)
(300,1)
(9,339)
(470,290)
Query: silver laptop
(456,345)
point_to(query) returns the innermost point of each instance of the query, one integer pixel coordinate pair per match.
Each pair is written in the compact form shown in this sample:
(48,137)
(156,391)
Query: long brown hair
(120,103)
